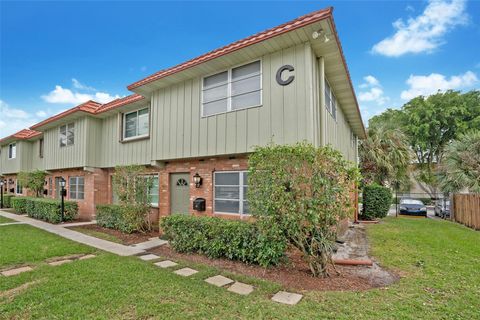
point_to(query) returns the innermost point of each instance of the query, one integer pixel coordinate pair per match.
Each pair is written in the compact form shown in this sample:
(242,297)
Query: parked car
(442,209)
(413,207)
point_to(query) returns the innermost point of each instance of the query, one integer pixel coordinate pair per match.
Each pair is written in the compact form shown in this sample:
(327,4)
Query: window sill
(231,111)
(134,139)
(233,214)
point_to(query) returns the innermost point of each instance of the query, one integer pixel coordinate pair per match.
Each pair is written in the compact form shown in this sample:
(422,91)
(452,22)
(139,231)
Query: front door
(179,193)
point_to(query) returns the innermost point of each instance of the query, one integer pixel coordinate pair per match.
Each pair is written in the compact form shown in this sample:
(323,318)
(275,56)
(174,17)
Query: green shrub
(376,201)
(217,238)
(117,217)
(7,200)
(19,204)
(45,209)
(302,192)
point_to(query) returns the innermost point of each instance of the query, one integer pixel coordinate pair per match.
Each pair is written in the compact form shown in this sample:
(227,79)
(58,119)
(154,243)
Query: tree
(390,119)
(132,186)
(385,157)
(34,180)
(461,166)
(301,193)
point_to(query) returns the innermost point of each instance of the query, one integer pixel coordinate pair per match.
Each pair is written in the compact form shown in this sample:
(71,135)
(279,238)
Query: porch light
(197,180)
(62,183)
(320,33)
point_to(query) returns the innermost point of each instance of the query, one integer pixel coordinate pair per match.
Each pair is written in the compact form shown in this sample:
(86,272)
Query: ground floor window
(231,192)
(153,191)
(77,187)
(19,188)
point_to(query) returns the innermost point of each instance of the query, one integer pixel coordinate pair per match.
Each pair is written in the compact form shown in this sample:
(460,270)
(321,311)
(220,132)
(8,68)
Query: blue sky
(56,54)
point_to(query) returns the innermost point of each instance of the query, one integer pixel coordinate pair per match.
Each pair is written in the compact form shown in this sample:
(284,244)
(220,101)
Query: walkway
(112,247)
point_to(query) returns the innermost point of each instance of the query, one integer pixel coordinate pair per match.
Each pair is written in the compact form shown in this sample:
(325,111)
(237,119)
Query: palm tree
(460,168)
(385,157)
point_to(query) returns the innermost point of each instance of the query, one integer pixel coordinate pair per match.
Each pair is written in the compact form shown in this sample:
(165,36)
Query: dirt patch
(292,275)
(68,257)
(10,294)
(120,237)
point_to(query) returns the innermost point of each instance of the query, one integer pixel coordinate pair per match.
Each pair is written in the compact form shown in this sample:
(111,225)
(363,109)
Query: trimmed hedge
(217,238)
(7,200)
(45,209)
(376,201)
(113,216)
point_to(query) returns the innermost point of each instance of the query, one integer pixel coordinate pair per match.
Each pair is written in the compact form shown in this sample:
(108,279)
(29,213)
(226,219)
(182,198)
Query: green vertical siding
(111,151)
(56,157)
(179,131)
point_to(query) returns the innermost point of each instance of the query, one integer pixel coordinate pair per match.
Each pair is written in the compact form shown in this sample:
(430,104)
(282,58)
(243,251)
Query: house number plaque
(281,70)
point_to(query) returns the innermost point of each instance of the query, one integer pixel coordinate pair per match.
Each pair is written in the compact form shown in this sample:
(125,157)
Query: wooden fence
(466,209)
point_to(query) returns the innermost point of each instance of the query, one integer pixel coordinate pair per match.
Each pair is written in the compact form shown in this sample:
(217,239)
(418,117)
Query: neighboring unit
(198,121)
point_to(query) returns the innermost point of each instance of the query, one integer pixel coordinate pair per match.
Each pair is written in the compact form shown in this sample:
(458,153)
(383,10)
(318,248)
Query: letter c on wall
(280,71)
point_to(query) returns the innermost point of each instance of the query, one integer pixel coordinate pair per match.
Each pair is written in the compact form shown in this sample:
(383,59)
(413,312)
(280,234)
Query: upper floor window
(230,194)
(40,148)
(67,135)
(77,187)
(135,124)
(330,101)
(12,151)
(234,89)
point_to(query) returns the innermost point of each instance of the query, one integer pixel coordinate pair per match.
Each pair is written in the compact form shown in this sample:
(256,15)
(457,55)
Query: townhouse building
(200,118)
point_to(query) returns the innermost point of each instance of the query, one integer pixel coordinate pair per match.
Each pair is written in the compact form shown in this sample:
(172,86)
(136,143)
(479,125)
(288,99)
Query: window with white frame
(135,124)
(231,192)
(77,187)
(12,151)
(330,100)
(18,188)
(67,134)
(233,89)
(153,191)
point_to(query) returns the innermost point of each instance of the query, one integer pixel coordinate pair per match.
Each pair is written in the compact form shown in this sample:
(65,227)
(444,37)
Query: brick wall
(95,189)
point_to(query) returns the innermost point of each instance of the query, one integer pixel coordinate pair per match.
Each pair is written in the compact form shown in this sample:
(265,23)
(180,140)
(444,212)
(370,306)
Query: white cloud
(427,85)
(78,85)
(15,119)
(425,32)
(374,93)
(370,81)
(67,96)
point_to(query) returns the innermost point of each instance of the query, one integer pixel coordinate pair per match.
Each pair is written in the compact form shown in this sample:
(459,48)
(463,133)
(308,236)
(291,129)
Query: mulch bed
(125,238)
(293,275)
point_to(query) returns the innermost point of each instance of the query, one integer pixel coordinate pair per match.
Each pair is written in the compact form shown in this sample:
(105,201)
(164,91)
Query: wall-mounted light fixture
(320,33)
(197,180)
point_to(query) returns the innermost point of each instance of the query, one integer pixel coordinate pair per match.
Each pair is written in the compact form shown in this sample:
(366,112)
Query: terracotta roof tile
(23,135)
(261,36)
(119,102)
(89,107)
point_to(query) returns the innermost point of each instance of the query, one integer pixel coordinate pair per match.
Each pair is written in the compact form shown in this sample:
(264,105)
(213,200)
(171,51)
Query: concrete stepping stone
(219,281)
(287,297)
(14,272)
(60,262)
(165,264)
(185,272)
(241,288)
(148,257)
(88,256)
(152,243)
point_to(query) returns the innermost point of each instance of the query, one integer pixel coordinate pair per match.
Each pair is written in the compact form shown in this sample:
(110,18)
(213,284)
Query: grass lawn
(439,262)
(5,220)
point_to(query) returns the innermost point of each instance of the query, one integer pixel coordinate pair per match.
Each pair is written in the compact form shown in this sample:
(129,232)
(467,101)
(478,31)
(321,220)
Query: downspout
(323,120)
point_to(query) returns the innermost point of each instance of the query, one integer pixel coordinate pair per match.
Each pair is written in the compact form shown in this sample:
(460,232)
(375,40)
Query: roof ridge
(236,45)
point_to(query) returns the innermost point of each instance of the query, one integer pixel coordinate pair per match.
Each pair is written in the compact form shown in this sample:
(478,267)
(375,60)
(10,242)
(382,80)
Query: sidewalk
(112,247)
